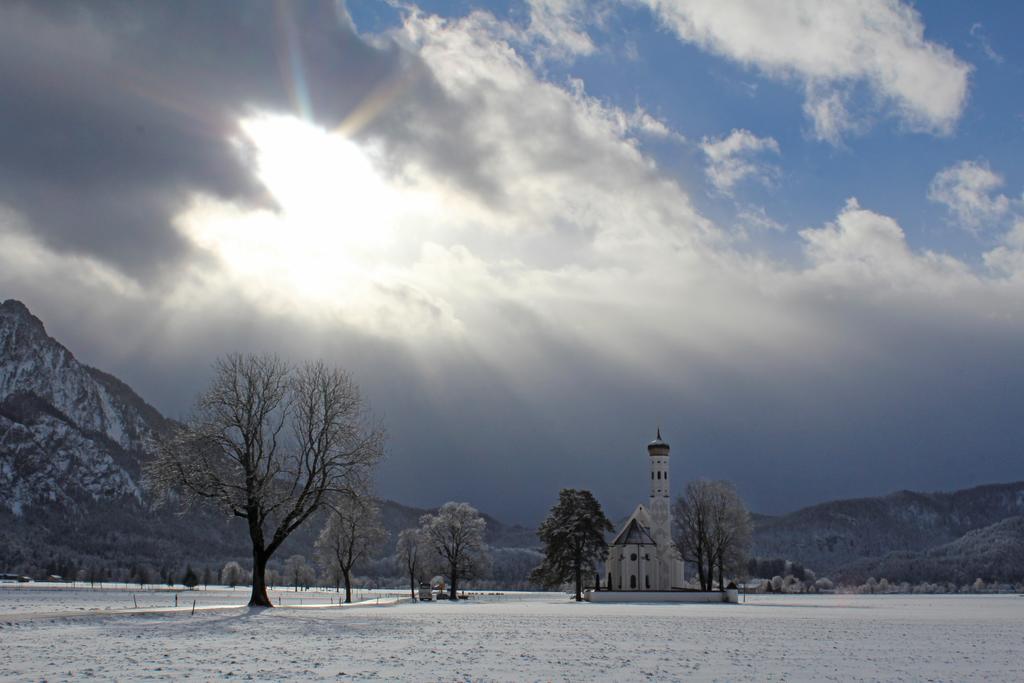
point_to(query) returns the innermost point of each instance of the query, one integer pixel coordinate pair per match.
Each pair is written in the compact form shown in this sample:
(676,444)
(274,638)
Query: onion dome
(657,444)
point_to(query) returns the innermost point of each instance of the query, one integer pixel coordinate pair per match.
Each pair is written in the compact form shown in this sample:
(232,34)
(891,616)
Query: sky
(790,234)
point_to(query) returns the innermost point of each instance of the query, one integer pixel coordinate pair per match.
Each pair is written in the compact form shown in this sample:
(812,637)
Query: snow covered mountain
(853,537)
(69,433)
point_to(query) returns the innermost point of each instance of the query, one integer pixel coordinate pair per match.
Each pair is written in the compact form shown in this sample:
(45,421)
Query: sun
(327,185)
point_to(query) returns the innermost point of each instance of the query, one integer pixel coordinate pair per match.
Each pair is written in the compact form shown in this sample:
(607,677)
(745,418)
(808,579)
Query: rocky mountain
(69,433)
(851,537)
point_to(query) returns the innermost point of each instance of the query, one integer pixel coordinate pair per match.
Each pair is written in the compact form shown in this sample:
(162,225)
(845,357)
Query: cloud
(868,251)
(560,27)
(968,191)
(1007,259)
(109,126)
(731,160)
(515,281)
(978,33)
(830,47)
(756,218)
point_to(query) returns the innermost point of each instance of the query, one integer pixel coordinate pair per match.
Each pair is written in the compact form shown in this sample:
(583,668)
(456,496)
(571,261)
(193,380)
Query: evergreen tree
(573,538)
(190,580)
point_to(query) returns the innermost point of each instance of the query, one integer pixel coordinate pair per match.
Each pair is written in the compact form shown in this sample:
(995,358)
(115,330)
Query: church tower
(659,505)
(642,556)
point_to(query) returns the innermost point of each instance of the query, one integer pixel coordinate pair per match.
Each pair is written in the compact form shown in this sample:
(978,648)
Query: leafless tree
(353,531)
(298,571)
(730,530)
(270,443)
(713,530)
(409,552)
(456,536)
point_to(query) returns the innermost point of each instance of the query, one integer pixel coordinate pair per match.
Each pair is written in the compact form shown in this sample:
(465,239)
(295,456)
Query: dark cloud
(801,385)
(113,114)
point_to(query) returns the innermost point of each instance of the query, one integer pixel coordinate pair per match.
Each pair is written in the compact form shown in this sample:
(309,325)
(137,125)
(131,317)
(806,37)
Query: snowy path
(789,638)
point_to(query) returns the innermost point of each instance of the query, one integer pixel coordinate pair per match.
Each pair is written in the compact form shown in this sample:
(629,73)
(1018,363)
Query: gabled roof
(636,529)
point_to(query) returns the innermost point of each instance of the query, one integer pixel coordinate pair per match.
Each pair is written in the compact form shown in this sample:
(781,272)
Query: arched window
(659,475)
(632,580)
(632,557)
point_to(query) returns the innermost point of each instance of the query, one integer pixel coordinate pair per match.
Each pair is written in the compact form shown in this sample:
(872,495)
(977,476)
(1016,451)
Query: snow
(523,636)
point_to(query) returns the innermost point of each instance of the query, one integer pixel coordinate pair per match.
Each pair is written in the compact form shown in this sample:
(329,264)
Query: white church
(642,556)
(643,564)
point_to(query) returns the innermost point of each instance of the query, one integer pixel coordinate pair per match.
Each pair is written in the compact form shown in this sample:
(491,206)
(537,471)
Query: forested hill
(853,535)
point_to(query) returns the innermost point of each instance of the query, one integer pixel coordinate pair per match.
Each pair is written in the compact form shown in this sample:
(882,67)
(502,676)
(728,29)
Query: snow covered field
(531,637)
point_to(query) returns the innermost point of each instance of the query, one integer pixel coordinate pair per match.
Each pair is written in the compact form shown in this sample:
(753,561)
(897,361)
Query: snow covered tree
(352,532)
(456,536)
(269,443)
(573,538)
(713,530)
(231,574)
(298,571)
(409,554)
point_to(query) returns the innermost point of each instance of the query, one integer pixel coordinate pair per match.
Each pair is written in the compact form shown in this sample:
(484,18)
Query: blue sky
(639,60)
(792,234)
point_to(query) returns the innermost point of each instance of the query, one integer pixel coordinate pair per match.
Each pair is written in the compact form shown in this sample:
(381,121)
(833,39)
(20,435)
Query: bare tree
(730,530)
(456,535)
(690,515)
(298,571)
(713,530)
(353,531)
(409,551)
(270,444)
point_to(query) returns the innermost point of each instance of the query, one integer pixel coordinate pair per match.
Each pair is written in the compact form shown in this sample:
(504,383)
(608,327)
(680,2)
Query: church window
(659,475)
(647,580)
(632,557)
(647,557)
(632,580)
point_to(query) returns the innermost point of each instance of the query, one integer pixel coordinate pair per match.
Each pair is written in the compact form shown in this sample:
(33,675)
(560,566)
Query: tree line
(274,444)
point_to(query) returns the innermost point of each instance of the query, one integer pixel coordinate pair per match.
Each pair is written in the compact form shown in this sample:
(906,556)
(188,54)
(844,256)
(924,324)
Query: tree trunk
(579,583)
(259,580)
(453,590)
(348,587)
(700,569)
(721,573)
(412,584)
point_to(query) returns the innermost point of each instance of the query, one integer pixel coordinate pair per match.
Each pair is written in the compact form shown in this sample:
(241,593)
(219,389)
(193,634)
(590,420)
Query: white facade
(642,556)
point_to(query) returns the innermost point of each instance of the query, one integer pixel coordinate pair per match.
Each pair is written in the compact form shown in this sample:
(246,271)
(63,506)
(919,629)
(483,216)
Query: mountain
(992,553)
(850,537)
(73,441)
(69,433)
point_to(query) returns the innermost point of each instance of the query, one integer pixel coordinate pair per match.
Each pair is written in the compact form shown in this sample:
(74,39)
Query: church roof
(634,533)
